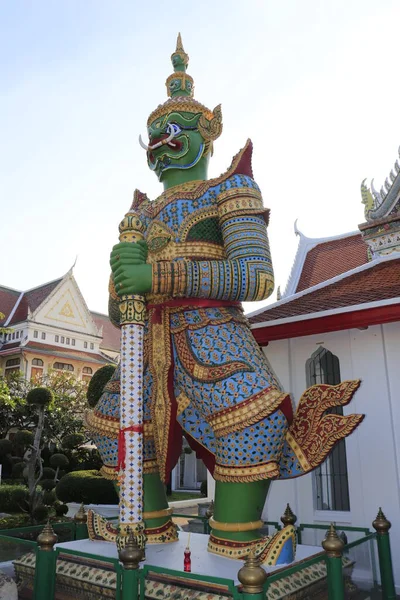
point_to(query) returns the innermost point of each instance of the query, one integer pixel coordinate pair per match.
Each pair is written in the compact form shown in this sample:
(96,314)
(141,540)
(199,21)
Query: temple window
(73,342)
(85,344)
(12,366)
(57,338)
(331,486)
(35,334)
(91,345)
(87,373)
(37,368)
(63,366)
(43,335)
(67,341)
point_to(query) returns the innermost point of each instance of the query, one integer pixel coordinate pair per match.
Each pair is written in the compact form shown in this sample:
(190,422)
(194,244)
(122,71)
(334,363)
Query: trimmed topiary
(5,447)
(97,383)
(86,486)
(40,396)
(7,503)
(23,437)
(40,513)
(60,508)
(47,484)
(18,469)
(48,473)
(59,460)
(72,441)
(49,497)
(20,498)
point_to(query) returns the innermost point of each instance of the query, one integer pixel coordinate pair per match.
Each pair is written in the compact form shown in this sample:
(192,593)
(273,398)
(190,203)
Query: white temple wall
(373,460)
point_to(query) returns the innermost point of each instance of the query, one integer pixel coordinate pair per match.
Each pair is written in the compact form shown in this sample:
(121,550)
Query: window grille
(87,370)
(37,362)
(331,478)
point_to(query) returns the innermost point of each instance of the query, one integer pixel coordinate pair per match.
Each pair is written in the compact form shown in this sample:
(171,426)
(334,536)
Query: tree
(41,398)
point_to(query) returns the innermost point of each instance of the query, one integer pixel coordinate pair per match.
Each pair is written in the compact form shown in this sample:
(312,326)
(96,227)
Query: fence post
(45,568)
(252,577)
(333,546)
(382,526)
(81,530)
(130,556)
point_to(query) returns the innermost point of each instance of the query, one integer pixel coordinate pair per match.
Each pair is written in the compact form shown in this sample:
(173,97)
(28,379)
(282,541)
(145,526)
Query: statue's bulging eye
(158,125)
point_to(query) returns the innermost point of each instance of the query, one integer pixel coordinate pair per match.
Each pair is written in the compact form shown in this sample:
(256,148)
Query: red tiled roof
(380,282)
(332,258)
(111,334)
(8,298)
(32,299)
(64,353)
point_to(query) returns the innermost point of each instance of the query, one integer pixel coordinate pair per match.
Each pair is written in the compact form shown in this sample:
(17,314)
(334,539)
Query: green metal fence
(131,580)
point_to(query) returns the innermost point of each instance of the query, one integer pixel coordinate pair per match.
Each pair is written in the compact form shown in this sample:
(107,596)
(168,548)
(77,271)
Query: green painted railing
(130,582)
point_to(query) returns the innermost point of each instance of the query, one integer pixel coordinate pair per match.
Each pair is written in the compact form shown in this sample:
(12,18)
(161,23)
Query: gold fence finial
(288,517)
(47,538)
(81,515)
(252,576)
(332,544)
(381,523)
(131,554)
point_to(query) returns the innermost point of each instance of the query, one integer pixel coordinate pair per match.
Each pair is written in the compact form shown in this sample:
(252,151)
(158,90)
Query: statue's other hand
(131,274)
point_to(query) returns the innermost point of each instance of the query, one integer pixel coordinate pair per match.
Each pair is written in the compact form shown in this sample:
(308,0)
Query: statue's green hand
(131,274)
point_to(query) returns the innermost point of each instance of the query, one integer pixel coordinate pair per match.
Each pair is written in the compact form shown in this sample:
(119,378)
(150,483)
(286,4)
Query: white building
(338,319)
(52,328)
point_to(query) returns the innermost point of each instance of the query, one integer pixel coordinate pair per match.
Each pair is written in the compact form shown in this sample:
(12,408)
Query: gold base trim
(246,474)
(156,514)
(235,527)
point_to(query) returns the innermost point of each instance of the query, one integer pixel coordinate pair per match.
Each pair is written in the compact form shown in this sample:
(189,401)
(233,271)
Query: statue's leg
(241,505)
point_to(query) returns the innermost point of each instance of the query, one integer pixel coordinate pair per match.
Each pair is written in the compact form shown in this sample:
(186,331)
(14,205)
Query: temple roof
(320,259)
(111,334)
(16,305)
(373,282)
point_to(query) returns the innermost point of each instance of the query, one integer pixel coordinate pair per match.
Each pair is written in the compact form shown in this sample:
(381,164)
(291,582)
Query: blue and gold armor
(205,375)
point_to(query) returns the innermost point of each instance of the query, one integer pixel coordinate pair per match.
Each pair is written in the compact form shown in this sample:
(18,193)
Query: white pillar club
(131,426)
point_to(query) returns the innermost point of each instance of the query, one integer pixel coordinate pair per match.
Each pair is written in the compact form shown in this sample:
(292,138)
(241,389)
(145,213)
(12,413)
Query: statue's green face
(183,150)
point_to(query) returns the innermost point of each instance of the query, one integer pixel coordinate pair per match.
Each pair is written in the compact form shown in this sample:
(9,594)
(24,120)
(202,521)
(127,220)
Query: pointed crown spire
(180,88)
(179,83)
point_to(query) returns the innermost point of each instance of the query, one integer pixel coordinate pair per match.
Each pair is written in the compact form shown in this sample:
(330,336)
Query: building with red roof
(339,318)
(51,327)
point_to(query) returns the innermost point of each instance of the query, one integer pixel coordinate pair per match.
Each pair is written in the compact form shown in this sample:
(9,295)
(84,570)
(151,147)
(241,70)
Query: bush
(40,396)
(49,497)
(17,470)
(48,473)
(86,486)
(97,383)
(59,460)
(203,488)
(72,441)
(40,513)
(23,437)
(5,447)
(7,503)
(60,508)
(20,498)
(47,484)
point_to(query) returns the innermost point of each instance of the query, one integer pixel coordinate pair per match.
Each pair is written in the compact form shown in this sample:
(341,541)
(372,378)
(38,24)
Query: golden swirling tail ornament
(313,433)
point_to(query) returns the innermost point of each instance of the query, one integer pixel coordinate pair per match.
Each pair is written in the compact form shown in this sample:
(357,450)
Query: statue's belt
(187,304)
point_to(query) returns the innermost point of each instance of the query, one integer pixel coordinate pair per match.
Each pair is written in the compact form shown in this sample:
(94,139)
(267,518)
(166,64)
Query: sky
(313,83)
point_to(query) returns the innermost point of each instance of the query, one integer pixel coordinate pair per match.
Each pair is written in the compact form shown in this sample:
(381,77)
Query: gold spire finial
(252,576)
(47,538)
(179,46)
(381,523)
(179,58)
(288,517)
(332,544)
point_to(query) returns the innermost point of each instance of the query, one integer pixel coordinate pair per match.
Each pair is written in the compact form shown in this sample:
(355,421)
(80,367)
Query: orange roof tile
(380,282)
(331,258)
(111,334)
